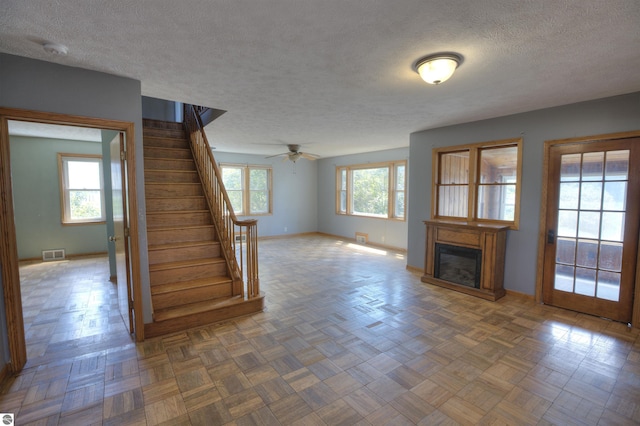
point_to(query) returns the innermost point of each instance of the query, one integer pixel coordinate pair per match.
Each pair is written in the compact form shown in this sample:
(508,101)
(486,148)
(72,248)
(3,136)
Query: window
(248,187)
(81,188)
(376,190)
(478,183)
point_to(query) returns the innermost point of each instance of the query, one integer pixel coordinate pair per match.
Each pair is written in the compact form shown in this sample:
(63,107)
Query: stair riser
(168,219)
(167,176)
(166,236)
(163,142)
(164,133)
(178,254)
(199,294)
(168,164)
(166,276)
(173,190)
(152,152)
(172,204)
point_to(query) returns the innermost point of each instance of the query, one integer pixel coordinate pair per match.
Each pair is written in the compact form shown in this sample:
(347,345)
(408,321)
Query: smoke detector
(55,49)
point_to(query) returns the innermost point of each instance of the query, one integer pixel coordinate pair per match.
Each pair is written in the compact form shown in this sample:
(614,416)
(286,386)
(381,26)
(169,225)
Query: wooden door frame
(542,231)
(8,242)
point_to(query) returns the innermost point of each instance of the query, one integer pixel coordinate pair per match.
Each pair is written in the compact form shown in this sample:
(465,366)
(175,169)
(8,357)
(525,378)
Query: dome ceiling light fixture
(55,49)
(437,68)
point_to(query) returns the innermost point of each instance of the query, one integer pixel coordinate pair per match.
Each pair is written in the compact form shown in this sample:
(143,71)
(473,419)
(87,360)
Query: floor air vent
(48,255)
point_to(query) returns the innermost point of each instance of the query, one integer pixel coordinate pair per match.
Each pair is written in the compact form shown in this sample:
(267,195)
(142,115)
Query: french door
(592,221)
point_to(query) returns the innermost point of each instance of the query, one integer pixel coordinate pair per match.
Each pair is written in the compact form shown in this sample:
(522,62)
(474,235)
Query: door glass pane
(585,281)
(566,251)
(567,223)
(611,256)
(564,278)
(591,195)
(570,168)
(615,194)
(617,167)
(612,226)
(609,285)
(589,225)
(569,193)
(592,166)
(587,254)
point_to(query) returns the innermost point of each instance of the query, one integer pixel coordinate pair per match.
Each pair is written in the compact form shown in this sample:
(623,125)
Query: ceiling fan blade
(309,156)
(278,155)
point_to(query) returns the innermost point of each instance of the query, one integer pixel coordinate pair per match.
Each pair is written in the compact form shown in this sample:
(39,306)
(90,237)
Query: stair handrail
(230,229)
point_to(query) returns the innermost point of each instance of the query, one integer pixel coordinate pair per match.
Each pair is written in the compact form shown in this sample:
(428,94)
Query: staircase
(190,279)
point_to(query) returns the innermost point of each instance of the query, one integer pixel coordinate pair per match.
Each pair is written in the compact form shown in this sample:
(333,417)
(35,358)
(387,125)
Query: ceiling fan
(294,154)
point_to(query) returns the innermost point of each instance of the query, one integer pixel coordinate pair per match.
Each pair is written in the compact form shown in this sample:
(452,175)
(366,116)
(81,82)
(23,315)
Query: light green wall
(36,197)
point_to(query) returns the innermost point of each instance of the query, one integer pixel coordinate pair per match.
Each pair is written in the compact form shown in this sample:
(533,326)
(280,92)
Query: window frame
(246,186)
(346,188)
(474,181)
(63,179)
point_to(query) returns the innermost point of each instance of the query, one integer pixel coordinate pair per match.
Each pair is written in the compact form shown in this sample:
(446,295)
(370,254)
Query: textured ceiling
(335,76)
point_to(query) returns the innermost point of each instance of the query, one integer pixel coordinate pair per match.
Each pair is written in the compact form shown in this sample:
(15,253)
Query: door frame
(542,231)
(8,243)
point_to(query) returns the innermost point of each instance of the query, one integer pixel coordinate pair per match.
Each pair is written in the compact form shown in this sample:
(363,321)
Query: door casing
(8,244)
(542,231)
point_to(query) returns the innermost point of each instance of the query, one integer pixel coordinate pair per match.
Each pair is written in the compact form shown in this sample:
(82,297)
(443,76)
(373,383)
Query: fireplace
(465,257)
(460,265)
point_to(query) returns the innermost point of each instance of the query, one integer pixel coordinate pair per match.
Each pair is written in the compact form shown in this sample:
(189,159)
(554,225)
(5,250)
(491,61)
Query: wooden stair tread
(162,212)
(185,264)
(168,228)
(196,308)
(182,245)
(186,285)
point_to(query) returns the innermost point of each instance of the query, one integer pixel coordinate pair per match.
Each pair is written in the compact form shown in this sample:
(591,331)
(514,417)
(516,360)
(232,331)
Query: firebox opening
(460,265)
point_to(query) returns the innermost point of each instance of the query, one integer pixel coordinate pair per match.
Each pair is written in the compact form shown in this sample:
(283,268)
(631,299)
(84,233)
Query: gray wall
(36,199)
(158,109)
(295,195)
(43,86)
(389,233)
(610,115)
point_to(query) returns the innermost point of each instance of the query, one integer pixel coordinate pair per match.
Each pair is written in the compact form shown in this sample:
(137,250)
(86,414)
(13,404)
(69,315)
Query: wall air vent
(241,237)
(56,254)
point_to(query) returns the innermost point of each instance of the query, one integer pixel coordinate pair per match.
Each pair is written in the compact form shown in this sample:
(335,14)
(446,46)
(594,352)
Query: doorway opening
(8,244)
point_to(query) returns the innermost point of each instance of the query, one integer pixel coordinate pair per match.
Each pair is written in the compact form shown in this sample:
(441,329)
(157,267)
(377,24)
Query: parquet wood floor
(349,337)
